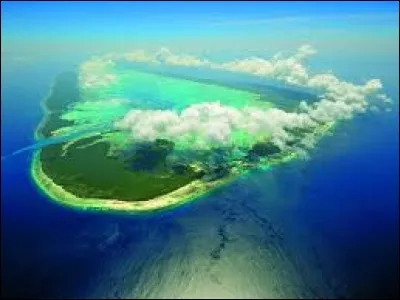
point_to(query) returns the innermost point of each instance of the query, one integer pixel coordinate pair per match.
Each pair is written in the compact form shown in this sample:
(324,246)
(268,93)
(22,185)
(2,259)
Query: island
(96,169)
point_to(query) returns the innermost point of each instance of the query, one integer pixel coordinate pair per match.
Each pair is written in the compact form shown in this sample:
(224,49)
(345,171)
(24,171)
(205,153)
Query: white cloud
(165,56)
(384,98)
(138,56)
(204,125)
(211,124)
(93,73)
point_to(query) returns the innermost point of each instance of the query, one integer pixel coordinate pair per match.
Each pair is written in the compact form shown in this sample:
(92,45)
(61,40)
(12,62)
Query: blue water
(326,227)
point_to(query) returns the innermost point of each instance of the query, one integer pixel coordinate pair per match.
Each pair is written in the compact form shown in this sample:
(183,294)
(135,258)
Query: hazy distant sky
(356,29)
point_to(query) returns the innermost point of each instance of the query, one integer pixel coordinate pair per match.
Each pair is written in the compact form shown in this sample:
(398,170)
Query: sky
(40,28)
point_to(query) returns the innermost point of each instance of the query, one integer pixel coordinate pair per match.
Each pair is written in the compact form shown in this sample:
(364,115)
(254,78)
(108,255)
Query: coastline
(175,198)
(37,134)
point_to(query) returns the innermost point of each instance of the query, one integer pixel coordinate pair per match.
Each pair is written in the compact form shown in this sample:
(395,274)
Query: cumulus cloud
(165,56)
(211,124)
(384,98)
(207,125)
(93,73)
(138,56)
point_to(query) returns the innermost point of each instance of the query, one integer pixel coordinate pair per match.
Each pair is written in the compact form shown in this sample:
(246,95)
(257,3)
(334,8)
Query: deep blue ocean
(326,227)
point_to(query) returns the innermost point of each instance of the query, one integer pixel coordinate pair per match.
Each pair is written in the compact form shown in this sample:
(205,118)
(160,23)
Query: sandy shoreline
(178,197)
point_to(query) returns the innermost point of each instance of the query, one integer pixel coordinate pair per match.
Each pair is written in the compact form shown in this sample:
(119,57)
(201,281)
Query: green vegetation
(150,156)
(264,149)
(53,122)
(64,93)
(88,172)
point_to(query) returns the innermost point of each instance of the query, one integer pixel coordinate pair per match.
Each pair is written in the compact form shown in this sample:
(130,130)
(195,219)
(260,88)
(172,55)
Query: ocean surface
(326,227)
